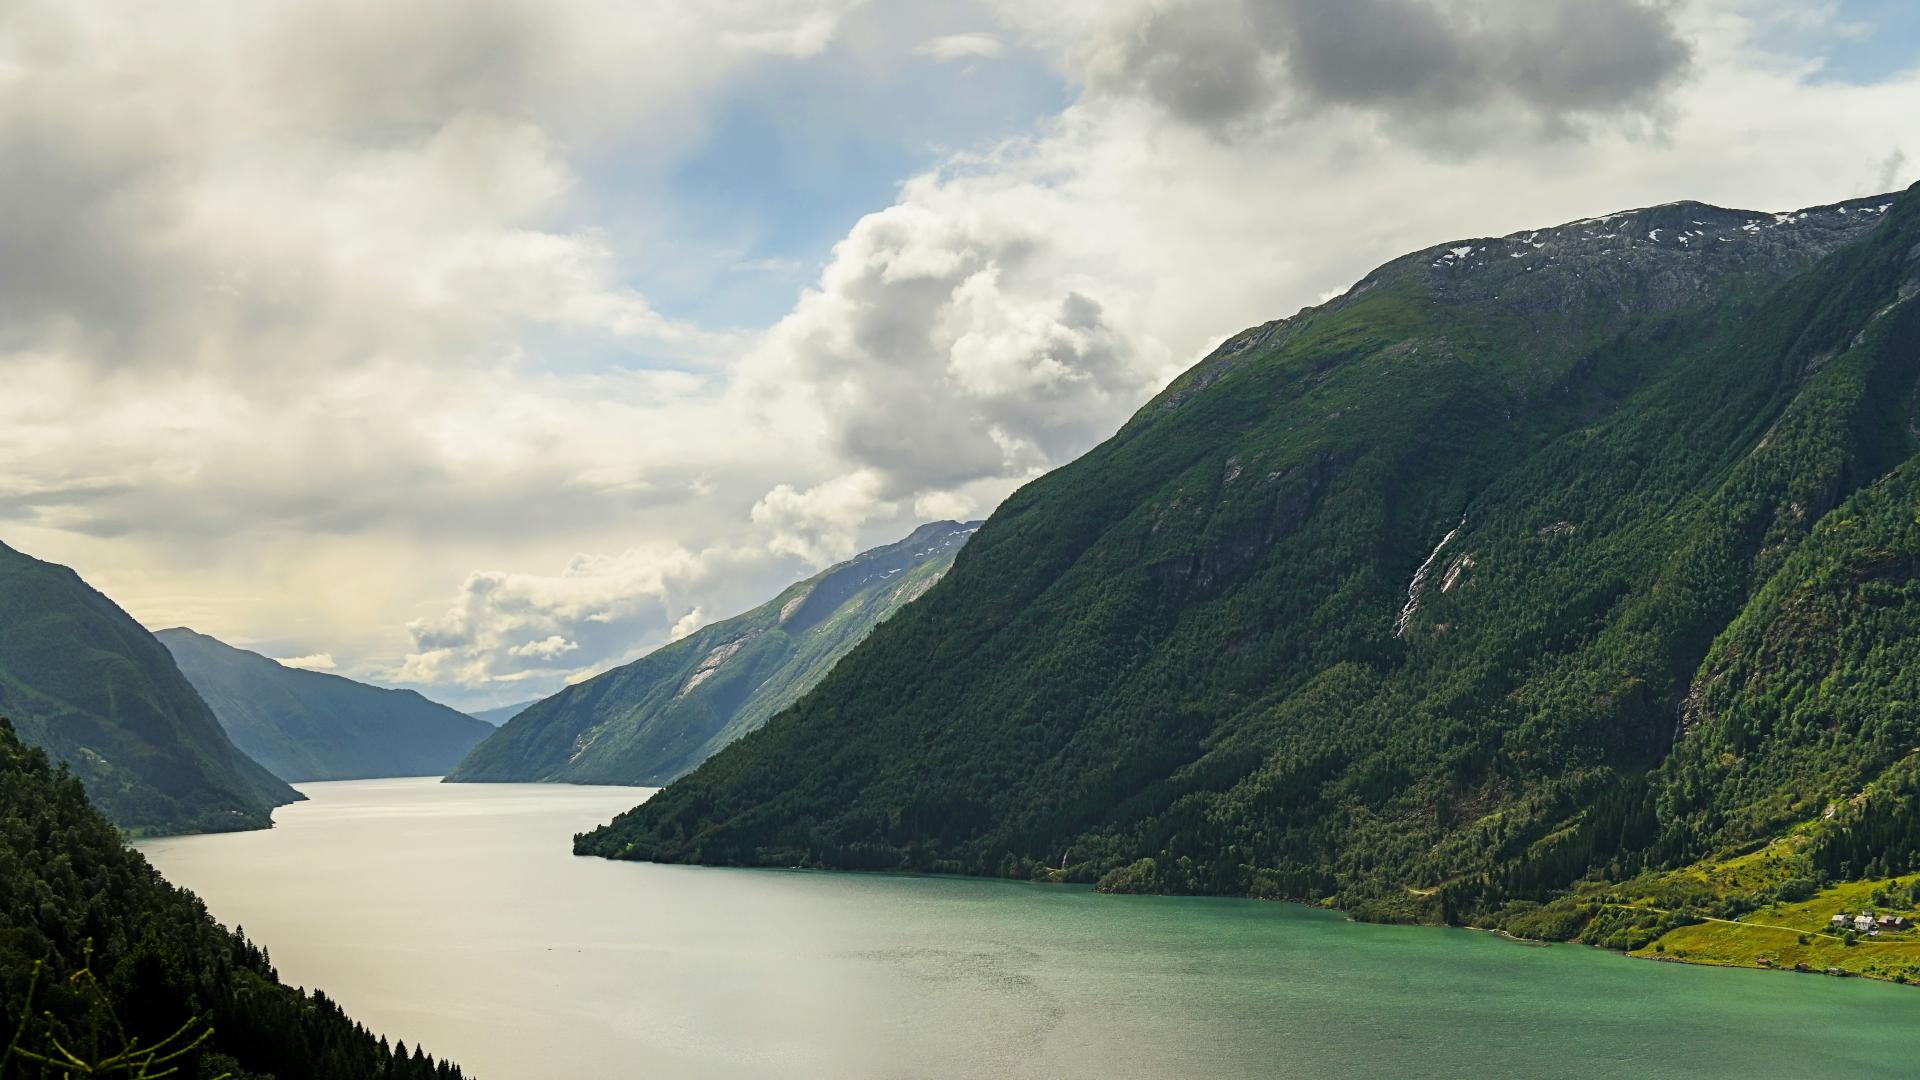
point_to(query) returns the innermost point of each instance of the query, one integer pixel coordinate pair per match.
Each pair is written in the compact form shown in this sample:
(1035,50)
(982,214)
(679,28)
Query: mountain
(80,678)
(1531,576)
(74,893)
(497,716)
(309,725)
(657,717)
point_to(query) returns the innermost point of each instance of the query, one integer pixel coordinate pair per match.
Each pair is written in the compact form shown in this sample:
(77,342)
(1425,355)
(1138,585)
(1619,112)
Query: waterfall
(1420,580)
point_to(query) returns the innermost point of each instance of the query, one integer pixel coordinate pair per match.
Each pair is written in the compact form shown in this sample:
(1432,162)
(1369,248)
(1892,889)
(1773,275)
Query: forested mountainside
(73,895)
(1560,558)
(82,679)
(654,719)
(310,725)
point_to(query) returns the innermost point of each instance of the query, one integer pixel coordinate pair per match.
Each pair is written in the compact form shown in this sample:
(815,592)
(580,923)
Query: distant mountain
(82,680)
(1528,569)
(657,717)
(309,725)
(502,714)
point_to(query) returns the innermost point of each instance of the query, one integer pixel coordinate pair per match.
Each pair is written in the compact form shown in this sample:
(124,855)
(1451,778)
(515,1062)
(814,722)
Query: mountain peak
(1400,600)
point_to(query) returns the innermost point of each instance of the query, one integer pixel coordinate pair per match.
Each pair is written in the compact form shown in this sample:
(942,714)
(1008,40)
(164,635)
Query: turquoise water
(454,916)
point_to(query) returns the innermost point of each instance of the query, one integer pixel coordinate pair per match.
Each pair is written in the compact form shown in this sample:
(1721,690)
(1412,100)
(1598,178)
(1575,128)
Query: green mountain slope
(71,885)
(80,678)
(309,725)
(1410,600)
(1808,706)
(654,719)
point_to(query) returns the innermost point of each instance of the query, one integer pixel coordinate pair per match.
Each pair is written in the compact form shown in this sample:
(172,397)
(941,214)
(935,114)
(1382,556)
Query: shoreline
(1495,931)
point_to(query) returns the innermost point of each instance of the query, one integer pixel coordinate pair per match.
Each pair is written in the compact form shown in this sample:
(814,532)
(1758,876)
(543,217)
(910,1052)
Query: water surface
(456,917)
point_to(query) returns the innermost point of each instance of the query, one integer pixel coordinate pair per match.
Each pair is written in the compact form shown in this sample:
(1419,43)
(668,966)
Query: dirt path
(1735,922)
(1774,926)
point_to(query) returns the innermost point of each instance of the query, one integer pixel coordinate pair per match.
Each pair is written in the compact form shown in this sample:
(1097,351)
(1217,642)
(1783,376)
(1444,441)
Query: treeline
(74,897)
(1879,836)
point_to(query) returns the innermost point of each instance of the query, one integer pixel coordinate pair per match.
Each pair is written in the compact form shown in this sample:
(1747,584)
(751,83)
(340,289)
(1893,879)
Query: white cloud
(551,647)
(1011,309)
(822,523)
(950,47)
(952,341)
(313,662)
(306,315)
(943,506)
(318,187)
(693,620)
(517,627)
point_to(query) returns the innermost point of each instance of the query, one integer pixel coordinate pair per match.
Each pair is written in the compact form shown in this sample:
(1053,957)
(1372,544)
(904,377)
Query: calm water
(454,916)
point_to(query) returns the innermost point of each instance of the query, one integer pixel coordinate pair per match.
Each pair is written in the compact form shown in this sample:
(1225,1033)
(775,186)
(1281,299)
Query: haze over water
(456,917)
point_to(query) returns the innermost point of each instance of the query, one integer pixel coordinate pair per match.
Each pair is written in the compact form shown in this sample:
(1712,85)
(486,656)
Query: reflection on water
(455,916)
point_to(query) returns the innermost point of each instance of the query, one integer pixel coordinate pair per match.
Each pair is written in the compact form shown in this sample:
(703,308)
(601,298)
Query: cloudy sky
(475,345)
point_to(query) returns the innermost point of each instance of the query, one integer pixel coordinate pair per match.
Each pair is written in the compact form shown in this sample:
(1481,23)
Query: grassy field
(1787,934)
(1755,873)
(1850,897)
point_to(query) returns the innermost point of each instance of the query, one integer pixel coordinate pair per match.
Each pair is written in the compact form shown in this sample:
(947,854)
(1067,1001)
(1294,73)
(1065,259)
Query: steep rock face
(82,680)
(1205,658)
(309,725)
(654,719)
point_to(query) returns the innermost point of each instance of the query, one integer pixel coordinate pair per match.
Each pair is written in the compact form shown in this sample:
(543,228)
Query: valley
(1564,584)
(839,540)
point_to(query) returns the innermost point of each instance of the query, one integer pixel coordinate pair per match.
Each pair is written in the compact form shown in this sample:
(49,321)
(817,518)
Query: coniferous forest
(854,540)
(1527,569)
(74,898)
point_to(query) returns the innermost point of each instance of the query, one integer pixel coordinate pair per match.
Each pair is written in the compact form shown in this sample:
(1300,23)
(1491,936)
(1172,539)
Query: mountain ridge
(1176,660)
(651,720)
(315,725)
(84,681)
